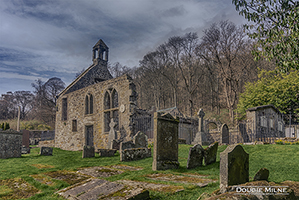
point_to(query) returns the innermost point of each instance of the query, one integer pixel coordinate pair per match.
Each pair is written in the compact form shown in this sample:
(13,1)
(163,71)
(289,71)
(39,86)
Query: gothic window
(64,109)
(111,109)
(88,104)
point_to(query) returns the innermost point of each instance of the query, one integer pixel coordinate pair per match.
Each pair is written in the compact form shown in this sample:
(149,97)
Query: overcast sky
(54,38)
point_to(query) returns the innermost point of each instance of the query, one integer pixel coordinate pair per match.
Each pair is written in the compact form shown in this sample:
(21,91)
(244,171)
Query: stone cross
(200,114)
(112,134)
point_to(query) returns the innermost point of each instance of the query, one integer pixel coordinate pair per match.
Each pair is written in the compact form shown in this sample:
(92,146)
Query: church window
(88,104)
(74,125)
(111,109)
(64,109)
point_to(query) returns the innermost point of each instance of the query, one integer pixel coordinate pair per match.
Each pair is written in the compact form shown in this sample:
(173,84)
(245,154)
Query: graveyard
(34,176)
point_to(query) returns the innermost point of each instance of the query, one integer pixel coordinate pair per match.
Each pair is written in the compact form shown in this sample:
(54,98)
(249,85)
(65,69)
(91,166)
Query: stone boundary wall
(10,144)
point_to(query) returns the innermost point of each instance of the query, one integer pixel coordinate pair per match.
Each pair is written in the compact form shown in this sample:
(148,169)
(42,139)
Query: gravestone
(262,174)
(195,156)
(210,153)
(10,144)
(224,134)
(88,152)
(25,138)
(165,142)
(46,151)
(234,166)
(140,140)
(116,144)
(112,134)
(126,145)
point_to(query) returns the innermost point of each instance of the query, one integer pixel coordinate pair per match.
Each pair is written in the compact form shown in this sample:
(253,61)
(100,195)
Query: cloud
(55,37)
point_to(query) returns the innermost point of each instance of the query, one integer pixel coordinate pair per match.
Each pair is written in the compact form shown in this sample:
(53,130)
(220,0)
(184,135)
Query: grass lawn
(281,160)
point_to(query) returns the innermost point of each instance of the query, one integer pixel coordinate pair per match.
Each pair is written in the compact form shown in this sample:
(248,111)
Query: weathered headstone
(126,145)
(116,144)
(210,153)
(140,140)
(224,134)
(10,144)
(25,138)
(165,142)
(88,152)
(46,151)
(107,152)
(195,156)
(234,166)
(25,150)
(112,134)
(262,174)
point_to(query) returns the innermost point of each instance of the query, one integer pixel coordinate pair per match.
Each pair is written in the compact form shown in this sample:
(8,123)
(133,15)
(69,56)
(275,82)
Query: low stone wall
(10,144)
(135,154)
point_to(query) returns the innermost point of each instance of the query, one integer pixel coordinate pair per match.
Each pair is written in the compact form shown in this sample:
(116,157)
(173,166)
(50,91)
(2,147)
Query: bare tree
(24,99)
(221,45)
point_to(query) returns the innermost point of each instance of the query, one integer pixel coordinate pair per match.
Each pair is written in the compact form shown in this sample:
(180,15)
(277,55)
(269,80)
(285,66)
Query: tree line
(191,73)
(39,104)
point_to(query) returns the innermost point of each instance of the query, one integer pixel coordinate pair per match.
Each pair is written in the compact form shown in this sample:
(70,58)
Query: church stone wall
(68,137)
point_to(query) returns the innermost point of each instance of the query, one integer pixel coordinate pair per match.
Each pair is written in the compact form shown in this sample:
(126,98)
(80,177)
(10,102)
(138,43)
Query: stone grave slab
(94,189)
(46,151)
(210,153)
(100,171)
(66,176)
(135,154)
(234,166)
(107,152)
(195,157)
(153,186)
(126,167)
(200,181)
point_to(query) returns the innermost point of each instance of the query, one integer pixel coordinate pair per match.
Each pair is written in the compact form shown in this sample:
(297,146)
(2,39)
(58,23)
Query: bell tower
(100,53)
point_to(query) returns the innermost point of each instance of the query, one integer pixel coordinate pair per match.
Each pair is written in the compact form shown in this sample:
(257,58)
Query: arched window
(88,104)
(111,109)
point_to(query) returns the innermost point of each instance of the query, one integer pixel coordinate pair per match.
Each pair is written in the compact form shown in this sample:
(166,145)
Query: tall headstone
(210,153)
(165,142)
(224,134)
(112,134)
(234,166)
(195,156)
(88,152)
(140,140)
(200,137)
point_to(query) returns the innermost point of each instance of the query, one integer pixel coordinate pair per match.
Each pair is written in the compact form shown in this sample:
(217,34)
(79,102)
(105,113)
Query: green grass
(281,160)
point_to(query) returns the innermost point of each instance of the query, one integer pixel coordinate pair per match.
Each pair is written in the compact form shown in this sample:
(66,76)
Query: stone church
(86,108)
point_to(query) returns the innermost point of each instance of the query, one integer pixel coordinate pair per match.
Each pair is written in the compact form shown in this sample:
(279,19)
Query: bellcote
(100,52)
